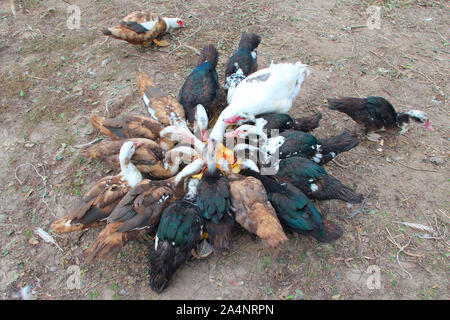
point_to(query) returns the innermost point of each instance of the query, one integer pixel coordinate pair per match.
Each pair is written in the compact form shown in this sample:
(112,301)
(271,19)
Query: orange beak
(199,175)
(226,154)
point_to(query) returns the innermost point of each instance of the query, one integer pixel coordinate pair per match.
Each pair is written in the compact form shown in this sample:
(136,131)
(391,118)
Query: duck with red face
(143,27)
(377,113)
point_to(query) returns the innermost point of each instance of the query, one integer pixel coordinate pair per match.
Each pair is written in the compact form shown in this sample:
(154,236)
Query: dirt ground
(53,77)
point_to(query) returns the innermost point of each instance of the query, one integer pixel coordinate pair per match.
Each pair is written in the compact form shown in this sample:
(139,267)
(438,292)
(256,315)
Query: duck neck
(218,130)
(191,169)
(263,144)
(129,172)
(190,138)
(211,164)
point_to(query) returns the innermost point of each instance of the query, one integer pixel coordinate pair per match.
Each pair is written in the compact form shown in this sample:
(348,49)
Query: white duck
(268,90)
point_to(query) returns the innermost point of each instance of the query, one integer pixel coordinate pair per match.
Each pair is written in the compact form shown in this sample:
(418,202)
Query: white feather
(149,24)
(46,237)
(418,114)
(149,109)
(156,242)
(128,171)
(275,94)
(260,123)
(247,163)
(273,144)
(417,226)
(232,82)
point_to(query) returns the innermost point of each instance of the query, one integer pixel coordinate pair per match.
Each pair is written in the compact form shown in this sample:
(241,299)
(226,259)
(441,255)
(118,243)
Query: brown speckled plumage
(254,212)
(124,32)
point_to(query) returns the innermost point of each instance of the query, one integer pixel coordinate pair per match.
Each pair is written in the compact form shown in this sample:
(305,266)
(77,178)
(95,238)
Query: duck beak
(199,175)
(429,126)
(137,144)
(236,166)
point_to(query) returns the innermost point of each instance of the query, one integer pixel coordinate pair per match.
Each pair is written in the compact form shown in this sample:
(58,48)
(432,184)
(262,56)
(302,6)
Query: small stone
(436,160)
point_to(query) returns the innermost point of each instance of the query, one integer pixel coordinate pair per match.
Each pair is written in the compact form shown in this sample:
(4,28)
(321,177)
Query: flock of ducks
(179,177)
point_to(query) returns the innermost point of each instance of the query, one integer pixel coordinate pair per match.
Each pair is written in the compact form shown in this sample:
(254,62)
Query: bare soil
(52,78)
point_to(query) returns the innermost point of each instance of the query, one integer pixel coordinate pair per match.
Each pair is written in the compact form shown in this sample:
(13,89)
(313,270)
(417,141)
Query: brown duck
(103,196)
(142,28)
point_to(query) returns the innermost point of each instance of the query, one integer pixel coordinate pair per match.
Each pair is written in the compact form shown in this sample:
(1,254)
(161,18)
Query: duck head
(128,170)
(417,115)
(173,23)
(245,131)
(273,144)
(127,151)
(422,117)
(240,118)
